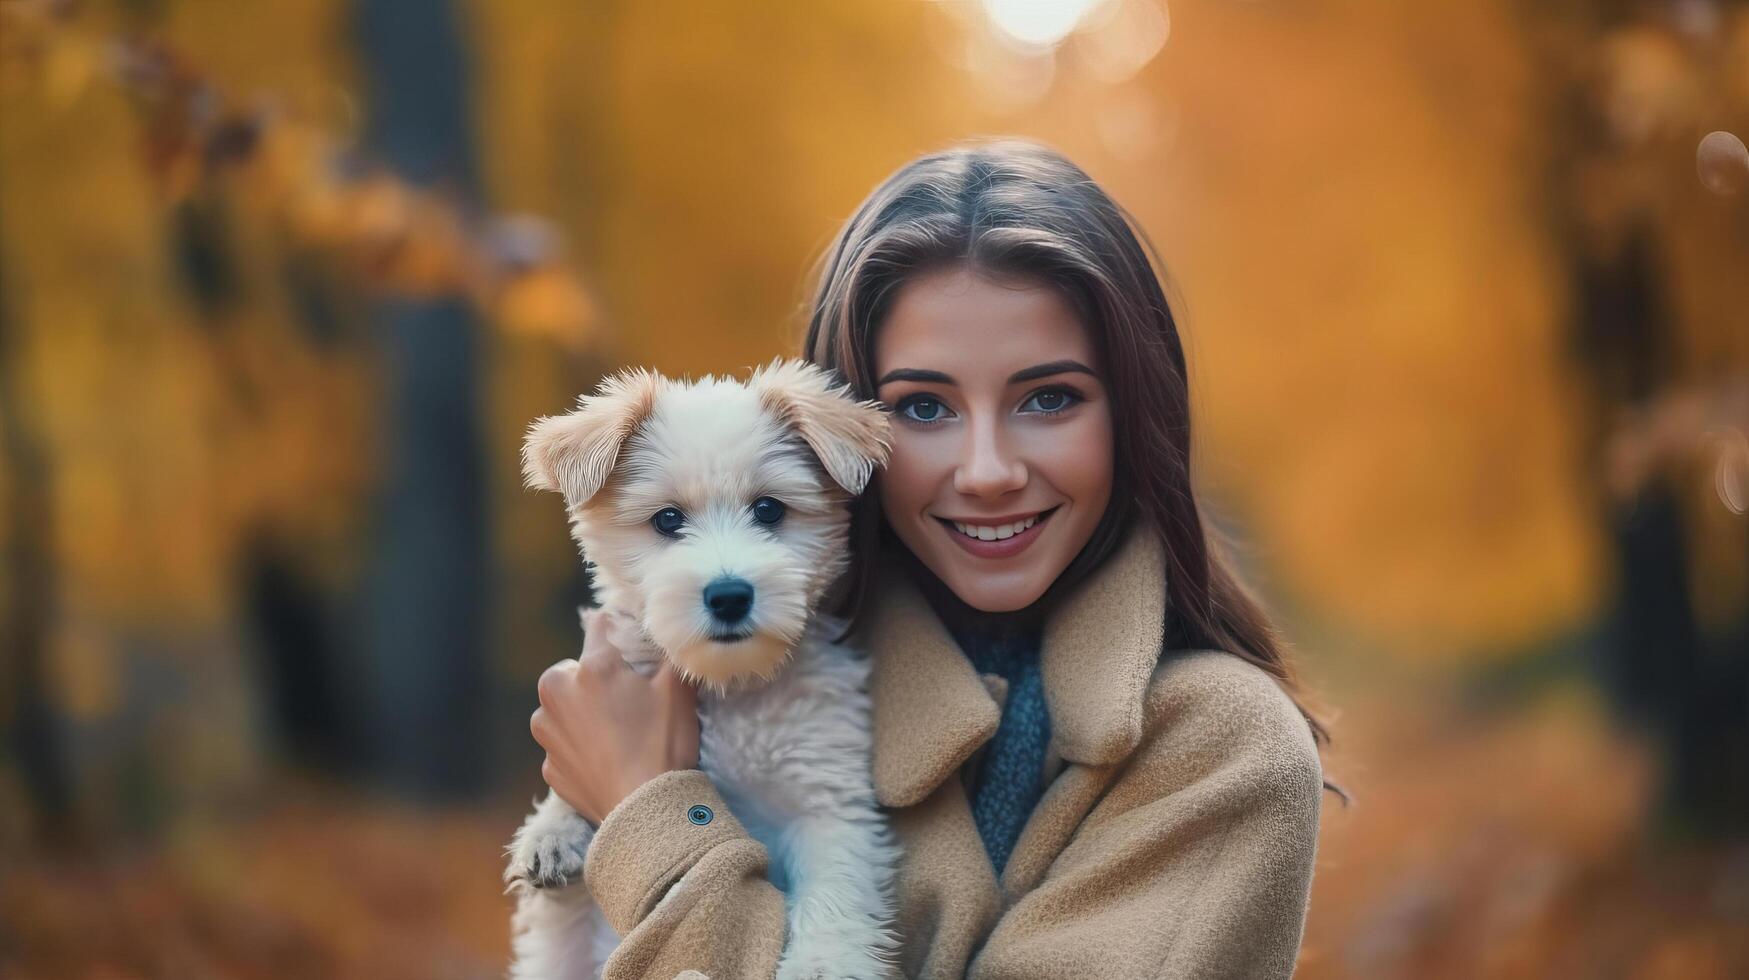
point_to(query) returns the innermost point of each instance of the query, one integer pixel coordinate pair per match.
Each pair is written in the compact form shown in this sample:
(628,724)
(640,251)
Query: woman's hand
(606,729)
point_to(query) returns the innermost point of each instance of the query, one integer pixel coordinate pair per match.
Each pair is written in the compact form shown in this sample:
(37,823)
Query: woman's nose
(989,468)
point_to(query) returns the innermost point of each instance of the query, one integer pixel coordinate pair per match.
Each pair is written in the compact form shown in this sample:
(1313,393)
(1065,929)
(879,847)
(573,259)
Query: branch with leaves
(392,236)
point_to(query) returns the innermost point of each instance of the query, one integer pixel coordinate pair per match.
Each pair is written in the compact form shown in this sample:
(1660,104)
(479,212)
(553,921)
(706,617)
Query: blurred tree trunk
(1686,687)
(33,733)
(424,618)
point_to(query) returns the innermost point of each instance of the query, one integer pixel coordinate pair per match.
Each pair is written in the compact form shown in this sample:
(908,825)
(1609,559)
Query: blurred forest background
(1466,294)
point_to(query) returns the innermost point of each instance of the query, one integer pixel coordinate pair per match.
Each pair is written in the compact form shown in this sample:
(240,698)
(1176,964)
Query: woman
(1083,731)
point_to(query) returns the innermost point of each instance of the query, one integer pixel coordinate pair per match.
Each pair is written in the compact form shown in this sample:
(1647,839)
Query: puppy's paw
(549,850)
(626,635)
(809,968)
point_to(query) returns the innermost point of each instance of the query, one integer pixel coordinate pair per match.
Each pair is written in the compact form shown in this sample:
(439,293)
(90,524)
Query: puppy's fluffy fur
(783,708)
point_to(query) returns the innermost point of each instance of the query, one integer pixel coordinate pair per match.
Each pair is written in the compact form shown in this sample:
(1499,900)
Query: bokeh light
(1731,471)
(1722,161)
(1119,37)
(1037,22)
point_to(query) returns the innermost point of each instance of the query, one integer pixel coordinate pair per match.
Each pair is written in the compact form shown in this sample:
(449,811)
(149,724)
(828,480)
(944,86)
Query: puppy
(715,517)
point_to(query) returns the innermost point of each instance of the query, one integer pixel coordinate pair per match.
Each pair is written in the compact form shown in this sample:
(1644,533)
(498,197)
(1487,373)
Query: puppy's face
(714,512)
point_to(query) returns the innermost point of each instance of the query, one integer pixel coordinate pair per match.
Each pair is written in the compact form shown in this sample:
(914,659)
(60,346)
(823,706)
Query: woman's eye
(1050,401)
(768,511)
(668,521)
(922,408)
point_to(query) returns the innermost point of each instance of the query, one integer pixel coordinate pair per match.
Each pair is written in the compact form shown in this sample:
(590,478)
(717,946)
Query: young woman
(1084,732)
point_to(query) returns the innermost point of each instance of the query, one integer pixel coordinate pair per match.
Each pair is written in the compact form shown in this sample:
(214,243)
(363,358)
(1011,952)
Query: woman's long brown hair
(1018,210)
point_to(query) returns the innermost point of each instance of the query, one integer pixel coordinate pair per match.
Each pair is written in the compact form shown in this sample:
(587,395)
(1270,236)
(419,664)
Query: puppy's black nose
(729,599)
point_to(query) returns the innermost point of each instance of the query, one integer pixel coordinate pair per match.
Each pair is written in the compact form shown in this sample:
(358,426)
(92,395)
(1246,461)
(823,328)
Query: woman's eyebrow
(914,374)
(1066,366)
(1049,368)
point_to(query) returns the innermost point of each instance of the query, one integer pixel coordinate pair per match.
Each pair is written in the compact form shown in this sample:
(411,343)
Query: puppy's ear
(851,438)
(574,453)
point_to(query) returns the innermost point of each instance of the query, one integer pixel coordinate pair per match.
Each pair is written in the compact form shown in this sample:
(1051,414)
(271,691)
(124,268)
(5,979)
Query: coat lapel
(931,711)
(1100,649)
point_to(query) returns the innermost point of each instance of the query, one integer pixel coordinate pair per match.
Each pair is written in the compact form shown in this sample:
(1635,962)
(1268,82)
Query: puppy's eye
(768,510)
(668,522)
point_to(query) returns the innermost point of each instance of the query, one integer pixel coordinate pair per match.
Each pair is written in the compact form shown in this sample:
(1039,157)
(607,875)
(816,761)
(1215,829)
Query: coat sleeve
(683,883)
(1197,862)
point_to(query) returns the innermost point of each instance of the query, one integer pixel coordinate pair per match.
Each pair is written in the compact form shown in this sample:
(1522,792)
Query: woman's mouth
(997,537)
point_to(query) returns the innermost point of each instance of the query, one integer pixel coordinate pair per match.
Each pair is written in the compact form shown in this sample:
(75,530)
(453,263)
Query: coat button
(700,814)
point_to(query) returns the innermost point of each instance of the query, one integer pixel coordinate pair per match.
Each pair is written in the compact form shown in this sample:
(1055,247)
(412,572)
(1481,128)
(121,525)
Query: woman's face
(1002,439)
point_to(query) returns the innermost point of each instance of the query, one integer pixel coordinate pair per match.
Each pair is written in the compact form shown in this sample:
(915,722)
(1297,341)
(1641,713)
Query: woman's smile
(996,537)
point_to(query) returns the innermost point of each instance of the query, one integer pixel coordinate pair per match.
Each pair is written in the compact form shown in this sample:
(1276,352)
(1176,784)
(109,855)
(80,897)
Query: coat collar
(931,710)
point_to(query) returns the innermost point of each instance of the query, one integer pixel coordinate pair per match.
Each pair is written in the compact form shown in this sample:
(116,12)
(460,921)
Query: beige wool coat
(1175,838)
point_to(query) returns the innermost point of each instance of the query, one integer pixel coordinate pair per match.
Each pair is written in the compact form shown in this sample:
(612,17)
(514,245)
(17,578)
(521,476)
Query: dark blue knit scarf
(1010,779)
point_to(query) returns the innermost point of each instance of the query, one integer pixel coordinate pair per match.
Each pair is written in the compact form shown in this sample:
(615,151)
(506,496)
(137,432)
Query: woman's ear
(574,453)
(851,438)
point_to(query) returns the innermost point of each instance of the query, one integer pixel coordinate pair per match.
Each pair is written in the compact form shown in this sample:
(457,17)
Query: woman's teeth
(987,533)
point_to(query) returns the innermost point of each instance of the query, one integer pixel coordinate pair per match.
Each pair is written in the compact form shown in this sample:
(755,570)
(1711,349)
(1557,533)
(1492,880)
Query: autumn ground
(1507,840)
(1498,840)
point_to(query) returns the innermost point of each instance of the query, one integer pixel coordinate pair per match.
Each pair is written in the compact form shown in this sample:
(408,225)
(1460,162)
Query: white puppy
(715,516)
